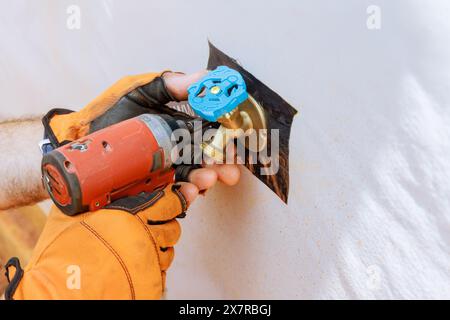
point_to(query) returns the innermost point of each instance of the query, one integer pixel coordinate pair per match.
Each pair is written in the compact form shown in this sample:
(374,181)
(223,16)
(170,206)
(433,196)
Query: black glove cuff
(14,282)
(48,132)
(136,203)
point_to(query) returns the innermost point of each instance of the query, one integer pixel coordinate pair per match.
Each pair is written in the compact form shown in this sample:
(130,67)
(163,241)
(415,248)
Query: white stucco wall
(369,211)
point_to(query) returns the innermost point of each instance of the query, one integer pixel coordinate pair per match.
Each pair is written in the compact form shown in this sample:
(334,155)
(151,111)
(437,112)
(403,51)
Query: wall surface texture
(369,210)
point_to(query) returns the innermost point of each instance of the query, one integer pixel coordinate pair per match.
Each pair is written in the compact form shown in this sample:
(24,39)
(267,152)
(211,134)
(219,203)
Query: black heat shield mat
(279,116)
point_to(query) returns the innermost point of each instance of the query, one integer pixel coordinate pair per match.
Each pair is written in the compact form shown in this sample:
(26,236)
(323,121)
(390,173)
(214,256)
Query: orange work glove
(124,250)
(118,253)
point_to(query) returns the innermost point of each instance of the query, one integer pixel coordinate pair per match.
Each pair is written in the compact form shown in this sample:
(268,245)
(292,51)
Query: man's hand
(124,251)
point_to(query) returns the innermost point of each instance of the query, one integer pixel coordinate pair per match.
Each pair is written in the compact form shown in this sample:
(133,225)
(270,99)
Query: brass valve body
(248,118)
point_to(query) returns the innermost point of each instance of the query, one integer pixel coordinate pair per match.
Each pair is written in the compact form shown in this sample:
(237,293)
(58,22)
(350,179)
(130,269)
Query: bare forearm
(20,159)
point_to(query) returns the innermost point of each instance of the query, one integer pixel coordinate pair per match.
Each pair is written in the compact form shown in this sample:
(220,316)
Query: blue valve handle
(218,93)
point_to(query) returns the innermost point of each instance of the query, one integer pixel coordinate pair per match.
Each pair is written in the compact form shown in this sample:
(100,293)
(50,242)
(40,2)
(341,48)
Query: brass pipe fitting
(248,116)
